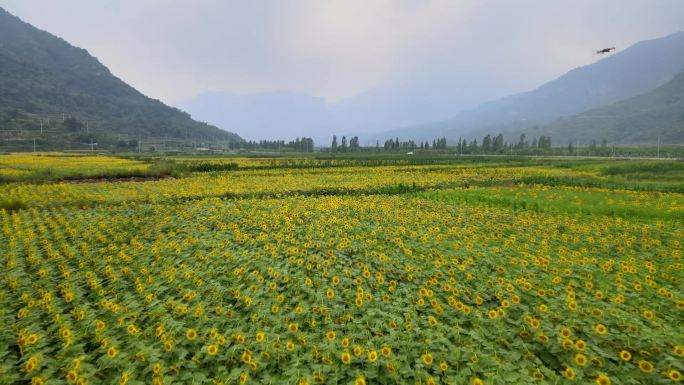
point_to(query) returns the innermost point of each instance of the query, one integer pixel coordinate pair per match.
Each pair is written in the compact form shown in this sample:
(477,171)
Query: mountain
(267,115)
(402,103)
(45,79)
(636,70)
(288,115)
(638,120)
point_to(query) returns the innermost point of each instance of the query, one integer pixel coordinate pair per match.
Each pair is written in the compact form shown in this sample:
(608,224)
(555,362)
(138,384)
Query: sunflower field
(333,276)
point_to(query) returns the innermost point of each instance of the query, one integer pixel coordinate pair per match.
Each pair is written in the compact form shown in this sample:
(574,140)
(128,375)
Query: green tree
(487,144)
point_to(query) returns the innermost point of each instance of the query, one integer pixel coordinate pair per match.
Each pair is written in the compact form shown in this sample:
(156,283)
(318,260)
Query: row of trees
(496,145)
(390,145)
(352,146)
(488,145)
(299,145)
(395,144)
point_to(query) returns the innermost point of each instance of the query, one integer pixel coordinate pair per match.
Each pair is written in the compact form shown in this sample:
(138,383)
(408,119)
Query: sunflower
(191,334)
(580,359)
(132,329)
(675,375)
(357,350)
(567,344)
(534,323)
(678,350)
(346,358)
(569,373)
(625,355)
(386,351)
(71,376)
(372,356)
(427,359)
(246,357)
(645,366)
(212,350)
(31,364)
(260,336)
(31,339)
(360,381)
(600,328)
(602,379)
(112,352)
(293,327)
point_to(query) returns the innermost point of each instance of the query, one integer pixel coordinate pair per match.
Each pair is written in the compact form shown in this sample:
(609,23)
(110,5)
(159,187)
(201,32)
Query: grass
(12,205)
(157,168)
(580,201)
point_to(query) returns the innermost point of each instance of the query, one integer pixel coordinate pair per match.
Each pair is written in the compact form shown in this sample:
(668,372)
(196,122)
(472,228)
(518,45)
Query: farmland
(306,270)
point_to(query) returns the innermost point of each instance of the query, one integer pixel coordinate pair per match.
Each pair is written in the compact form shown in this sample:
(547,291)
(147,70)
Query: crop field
(47,165)
(343,271)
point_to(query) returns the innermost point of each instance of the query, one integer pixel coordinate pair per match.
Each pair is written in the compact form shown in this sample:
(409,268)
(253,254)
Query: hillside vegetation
(46,81)
(634,71)
(641,119)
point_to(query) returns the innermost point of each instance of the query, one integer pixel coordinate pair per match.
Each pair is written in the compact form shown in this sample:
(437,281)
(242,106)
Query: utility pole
(41,127)
(92,145)
(658,146)
(34,144)
(139,145)
(87,128)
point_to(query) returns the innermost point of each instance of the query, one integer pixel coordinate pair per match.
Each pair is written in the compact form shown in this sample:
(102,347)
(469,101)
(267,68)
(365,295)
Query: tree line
(298,145)
(390,145)
(496,145)
(343,146)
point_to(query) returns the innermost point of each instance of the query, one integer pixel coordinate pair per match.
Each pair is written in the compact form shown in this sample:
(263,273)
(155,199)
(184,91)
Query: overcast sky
(174,50)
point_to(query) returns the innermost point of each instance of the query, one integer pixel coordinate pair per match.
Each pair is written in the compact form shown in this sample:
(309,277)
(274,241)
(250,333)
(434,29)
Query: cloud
(173,50)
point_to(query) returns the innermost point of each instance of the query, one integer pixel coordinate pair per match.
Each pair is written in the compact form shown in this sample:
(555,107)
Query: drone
(605,50)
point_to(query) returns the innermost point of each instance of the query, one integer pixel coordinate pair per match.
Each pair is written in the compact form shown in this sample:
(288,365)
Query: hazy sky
(174,50)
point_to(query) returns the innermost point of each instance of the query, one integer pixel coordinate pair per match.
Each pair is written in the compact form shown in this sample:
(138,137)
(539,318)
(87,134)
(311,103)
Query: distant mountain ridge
(643,119)
(43,75)
(286,114)
(634,71)
(274,115)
